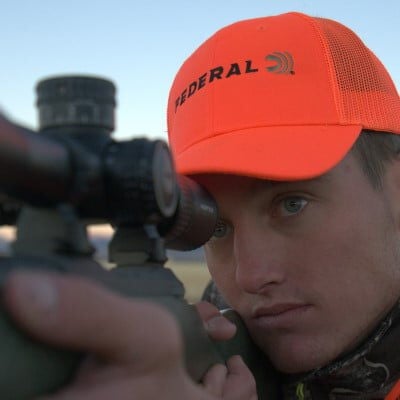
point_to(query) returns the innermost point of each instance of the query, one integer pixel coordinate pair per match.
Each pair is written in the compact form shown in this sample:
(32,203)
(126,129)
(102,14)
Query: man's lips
(280,316)
(276,309)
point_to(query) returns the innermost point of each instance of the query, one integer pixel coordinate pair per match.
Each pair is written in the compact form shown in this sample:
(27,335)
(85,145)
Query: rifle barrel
(33,168)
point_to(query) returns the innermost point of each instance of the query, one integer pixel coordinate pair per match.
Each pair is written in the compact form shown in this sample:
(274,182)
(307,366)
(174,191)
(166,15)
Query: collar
(368,372)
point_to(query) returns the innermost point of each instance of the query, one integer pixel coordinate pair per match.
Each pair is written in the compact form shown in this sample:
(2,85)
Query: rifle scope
(73,159)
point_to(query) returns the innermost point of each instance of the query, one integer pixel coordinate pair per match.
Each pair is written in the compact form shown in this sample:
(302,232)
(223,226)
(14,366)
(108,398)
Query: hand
(234,381)
(135,347)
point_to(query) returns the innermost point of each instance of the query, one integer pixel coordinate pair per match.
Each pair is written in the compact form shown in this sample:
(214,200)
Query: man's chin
(294,356)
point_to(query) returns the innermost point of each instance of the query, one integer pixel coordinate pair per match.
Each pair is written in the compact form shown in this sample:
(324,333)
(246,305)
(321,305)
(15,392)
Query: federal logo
(283,63)
(278,62)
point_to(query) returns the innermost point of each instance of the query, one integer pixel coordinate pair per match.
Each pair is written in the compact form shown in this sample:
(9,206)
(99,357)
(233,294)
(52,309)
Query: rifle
(71,174)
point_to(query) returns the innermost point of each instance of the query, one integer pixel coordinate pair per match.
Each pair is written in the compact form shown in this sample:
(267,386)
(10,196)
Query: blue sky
(140,45)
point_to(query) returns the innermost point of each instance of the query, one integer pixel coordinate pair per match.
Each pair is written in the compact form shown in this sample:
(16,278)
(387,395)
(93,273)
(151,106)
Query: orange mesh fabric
(366,93)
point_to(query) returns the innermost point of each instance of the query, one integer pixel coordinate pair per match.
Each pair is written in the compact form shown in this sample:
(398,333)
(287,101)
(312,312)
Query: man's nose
(259,259)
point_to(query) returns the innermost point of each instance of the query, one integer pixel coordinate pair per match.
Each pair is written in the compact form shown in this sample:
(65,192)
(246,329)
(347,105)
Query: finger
(120,383)
(165,385)
(214,380)
(216,325)
(206,310)
(112,390)
(240,382)
(92,371)
(76,313)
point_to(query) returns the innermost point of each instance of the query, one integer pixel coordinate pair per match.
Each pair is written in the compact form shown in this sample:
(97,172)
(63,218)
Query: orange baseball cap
(282,98)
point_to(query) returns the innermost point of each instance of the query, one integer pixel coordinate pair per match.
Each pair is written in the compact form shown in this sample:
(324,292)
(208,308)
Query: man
(267,115)
(290,122)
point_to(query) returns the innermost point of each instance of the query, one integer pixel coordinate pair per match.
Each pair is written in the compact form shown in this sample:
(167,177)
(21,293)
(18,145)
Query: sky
(140,45)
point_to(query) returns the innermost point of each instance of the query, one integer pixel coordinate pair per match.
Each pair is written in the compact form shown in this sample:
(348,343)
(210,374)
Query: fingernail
(36,292)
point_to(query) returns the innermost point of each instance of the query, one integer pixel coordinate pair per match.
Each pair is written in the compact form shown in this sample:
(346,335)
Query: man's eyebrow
(267,184)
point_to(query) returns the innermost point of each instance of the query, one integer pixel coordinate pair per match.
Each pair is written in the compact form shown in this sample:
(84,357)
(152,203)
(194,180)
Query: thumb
(216,325)
(76,313)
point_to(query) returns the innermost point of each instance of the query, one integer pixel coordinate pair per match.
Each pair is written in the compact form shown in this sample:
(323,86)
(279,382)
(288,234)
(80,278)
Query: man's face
(311,266)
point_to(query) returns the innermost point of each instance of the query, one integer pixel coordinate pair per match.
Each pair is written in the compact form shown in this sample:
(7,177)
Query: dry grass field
(194,276)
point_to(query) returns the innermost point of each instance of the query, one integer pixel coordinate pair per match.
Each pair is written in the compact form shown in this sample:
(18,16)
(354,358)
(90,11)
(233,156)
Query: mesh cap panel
(365,92)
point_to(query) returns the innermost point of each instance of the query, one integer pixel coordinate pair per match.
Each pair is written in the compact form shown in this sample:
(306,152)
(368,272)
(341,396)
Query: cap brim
(275,153)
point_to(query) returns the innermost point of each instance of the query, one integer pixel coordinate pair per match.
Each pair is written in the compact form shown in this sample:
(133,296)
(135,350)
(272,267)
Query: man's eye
(291,206)
(221,229)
